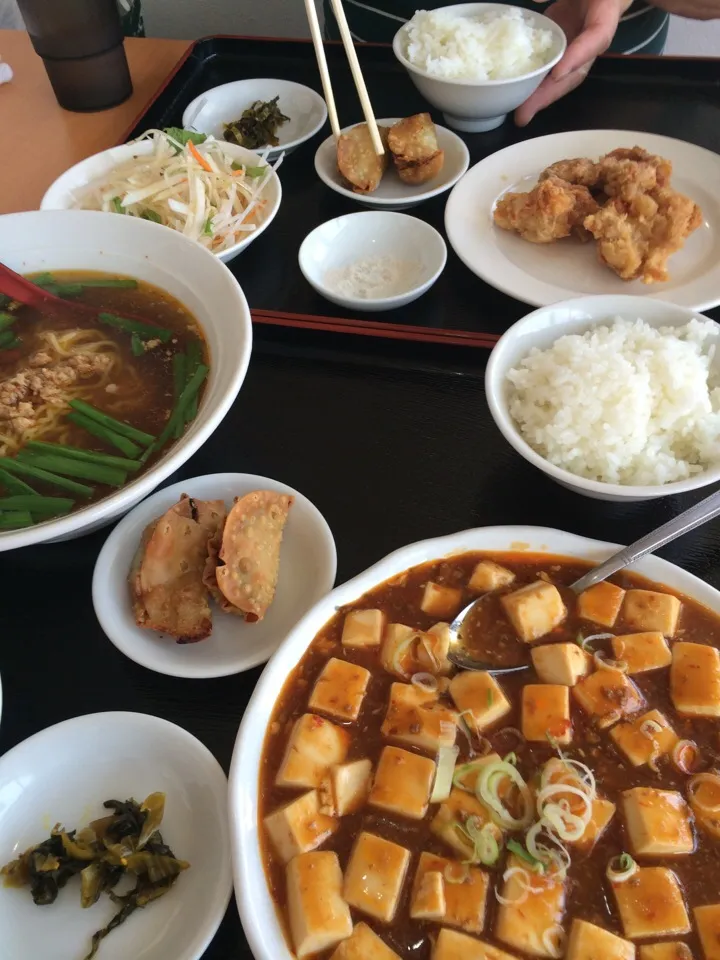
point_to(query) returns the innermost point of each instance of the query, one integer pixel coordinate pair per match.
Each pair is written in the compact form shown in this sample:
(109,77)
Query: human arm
(692,9)
(590,26)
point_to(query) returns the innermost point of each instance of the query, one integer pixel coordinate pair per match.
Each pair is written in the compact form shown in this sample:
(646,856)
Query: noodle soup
(88,404)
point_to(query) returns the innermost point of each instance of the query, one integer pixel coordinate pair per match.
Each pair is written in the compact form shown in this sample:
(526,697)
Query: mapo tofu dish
(570,809)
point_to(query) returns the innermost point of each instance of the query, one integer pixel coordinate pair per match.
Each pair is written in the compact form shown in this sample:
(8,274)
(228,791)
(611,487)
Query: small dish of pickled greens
(113,842)
(258,125)
(124,844)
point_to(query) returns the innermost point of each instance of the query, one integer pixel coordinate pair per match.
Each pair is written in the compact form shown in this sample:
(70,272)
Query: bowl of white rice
(478,61)
(615,397)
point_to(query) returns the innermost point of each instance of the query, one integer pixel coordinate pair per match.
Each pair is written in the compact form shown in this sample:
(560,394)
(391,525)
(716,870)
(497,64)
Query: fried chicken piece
(581,172)
(637,237)
(663,167)
(550,211)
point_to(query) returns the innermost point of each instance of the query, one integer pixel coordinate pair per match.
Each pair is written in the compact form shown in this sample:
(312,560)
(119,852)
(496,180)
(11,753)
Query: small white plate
(373,234)
(308,563)
(393,194)
(63,775)
(304,107)
(541,274)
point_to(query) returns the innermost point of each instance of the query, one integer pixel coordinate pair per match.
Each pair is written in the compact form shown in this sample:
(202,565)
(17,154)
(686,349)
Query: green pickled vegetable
(258,125)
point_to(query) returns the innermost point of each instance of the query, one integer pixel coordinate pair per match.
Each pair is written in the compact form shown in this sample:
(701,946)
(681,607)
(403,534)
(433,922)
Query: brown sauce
(588,892)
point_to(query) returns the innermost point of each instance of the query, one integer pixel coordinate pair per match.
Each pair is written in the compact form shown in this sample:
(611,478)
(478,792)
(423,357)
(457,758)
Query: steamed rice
(490,46)
(623,403)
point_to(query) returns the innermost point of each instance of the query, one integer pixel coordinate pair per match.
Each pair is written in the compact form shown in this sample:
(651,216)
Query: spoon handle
(685,522)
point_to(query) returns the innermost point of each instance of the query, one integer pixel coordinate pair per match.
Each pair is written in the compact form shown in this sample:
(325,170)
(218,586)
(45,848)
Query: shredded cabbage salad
(189,183)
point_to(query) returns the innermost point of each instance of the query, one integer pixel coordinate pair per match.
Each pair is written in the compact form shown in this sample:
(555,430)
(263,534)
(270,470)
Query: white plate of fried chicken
(206,577)
(593,212)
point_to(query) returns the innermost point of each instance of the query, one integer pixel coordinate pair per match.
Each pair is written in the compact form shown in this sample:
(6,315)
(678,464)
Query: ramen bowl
(58,240)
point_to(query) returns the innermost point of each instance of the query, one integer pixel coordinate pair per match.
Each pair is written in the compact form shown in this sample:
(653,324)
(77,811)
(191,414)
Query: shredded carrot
(198,156)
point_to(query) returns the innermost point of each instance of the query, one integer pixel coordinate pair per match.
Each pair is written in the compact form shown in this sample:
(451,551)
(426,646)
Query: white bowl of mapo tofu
(385,805)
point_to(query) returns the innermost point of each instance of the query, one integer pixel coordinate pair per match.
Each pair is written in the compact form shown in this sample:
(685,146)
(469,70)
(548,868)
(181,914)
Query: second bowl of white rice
(615,397)
(478,61)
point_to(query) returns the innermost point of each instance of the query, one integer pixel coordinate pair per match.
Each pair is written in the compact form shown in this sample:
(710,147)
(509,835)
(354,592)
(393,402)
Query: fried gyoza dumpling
(357,160)
(244,577)
(166,580)
(416,153)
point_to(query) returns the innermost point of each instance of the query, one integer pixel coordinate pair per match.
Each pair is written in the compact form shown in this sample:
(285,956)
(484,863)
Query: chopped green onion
(465,769)
(117,205)
(78,453)
(69,467)
(186,397)
(137,345)
(15,519)
(42,279)
(621,868)
(194,359)
(208,227)
(36,473)
(112,283)
(144,330)
(117,426)
(511,758)
(519,850)
(6,320)
(486,849)
(151,215)
(36,504)
(8,340)
(14,484)
(444,773)
(489,698)
(96,429)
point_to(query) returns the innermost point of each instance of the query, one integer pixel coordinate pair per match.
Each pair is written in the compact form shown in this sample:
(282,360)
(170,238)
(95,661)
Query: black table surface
(391,447)
(674,97)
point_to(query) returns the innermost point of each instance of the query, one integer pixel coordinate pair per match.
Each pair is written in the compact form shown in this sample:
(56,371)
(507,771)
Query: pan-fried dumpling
(249,555)
(166,580)
(357,160)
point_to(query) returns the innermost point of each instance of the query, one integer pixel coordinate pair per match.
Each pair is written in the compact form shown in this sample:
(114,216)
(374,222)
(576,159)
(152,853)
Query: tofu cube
(695,679)
(397,654)
(658,822)
(345,788)
(561,663)
(428,901)
(590,942)
(415,717)
(608,696)
(488,575)
(480,694)
(456,809)
(522,923)
(403,783)
(534,610)
(314,746)
(651,904)
(546,713)
(340,689)
(669,950)
(642,651)
(441,601)
(649,610)
(299,826)
(451,945)
(641,741)
(319,917)
(602,813)
(375,875)
(464,902)
(707,920)
(364,944)
(363,628)
(601,603)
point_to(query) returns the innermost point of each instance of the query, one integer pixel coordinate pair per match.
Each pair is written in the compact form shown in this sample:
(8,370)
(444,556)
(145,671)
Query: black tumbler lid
(91,83)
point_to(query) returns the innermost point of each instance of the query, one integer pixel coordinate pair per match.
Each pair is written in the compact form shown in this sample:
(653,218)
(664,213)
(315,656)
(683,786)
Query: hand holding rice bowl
(478,61)
(218,194)
(614,397)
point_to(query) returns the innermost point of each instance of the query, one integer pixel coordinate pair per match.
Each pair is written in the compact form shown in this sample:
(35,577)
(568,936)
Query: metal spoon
(686,521)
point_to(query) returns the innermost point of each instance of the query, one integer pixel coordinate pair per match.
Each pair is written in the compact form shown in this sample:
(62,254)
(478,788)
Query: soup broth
(577,729)
(57,358)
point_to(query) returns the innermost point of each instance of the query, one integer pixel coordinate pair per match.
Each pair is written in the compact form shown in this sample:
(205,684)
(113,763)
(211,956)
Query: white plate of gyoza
(384,805)
(207,576)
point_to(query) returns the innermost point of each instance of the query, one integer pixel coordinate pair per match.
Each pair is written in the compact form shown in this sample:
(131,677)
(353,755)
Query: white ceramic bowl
(79,240)
(257,911)
(61,194)
(63,775)
(475,106)
(373,234)
(304,107)
(393,194)
(308,562)
(541,329)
